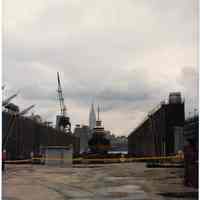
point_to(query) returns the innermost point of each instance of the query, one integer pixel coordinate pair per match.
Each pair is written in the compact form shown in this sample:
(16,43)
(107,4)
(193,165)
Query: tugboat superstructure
(99,144)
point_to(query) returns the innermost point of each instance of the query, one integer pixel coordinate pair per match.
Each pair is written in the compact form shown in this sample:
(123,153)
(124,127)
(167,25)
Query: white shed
(58,155)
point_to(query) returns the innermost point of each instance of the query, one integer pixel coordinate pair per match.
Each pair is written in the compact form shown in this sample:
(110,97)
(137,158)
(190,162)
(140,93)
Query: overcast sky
(126,55)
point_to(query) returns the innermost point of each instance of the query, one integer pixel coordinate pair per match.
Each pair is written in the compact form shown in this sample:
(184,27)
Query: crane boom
(62,121)
(23,112)
(60,97)
(6,101)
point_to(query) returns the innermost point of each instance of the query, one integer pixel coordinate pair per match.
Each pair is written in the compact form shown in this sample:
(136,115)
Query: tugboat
(99,144)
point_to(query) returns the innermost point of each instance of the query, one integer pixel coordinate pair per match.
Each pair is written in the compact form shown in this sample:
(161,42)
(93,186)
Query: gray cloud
(125,56)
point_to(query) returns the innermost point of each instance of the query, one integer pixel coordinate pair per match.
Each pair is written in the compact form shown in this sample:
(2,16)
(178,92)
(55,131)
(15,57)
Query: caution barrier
(18,161)
(123,159)
(120,159)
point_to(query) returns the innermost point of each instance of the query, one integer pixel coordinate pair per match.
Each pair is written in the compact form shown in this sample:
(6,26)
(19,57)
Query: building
(191,130)
(92,118)
(179,140)
(155,135)
(82,132)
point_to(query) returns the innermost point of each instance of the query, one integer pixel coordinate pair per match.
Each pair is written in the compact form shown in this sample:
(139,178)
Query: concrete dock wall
(22,135)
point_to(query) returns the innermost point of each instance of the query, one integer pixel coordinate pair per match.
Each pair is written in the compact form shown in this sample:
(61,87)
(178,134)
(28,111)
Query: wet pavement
(128,181)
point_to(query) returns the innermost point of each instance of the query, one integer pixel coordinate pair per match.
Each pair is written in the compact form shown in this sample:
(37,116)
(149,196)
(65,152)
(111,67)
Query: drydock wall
(22,135)
(155,135)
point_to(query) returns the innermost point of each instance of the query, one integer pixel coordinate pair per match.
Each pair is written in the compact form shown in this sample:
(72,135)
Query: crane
(60,97)
(7,101)
(13,121)
(62,121)
(23,112)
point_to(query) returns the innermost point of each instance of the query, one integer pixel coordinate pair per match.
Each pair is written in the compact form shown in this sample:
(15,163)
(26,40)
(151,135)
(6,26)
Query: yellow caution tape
(121,159)
(17,161)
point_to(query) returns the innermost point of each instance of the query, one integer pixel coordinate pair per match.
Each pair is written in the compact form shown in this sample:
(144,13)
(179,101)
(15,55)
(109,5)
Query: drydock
(23,135)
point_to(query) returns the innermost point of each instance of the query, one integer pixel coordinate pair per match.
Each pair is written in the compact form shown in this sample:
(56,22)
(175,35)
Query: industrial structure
(62,120)
(191,130)
(191,151)
(155,135)
(99,144)
(83,133)
(14,111)
(25,135)
(91,138)
(7,100)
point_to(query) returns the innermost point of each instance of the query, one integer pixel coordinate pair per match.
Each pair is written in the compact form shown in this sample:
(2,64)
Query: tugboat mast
(98,113)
